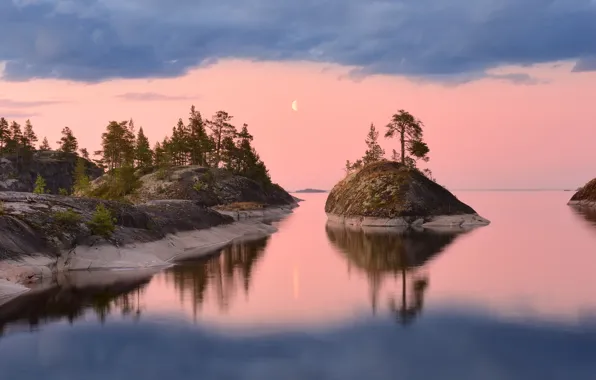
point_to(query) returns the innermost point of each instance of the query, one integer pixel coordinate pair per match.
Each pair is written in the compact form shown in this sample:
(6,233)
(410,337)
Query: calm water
(514,300)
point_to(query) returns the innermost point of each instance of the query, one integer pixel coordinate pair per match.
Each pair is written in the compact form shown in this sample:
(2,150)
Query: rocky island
(134,207)
(395,193)
(585,196)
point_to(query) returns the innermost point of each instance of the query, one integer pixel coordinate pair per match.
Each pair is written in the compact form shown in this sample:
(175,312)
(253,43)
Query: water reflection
(224,274)
(388,253)
(587,213)
(72,299)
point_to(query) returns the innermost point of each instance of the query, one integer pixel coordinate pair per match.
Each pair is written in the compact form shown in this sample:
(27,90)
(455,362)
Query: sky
(505,88)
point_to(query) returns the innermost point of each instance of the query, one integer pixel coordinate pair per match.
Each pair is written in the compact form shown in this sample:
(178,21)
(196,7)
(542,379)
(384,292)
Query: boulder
(585,196)
(387,193)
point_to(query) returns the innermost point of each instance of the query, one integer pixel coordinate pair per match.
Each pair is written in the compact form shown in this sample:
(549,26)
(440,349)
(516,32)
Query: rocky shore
(36,243)
(585,196)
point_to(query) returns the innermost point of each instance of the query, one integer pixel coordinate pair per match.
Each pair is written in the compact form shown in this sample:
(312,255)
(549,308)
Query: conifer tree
(199,143)
(68,142)
(84,153)
(45,145)
(29,138)
(4,134)
(220,129)
(374,152)
(143,153)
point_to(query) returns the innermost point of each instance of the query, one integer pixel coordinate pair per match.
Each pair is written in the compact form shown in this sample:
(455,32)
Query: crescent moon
(295,105)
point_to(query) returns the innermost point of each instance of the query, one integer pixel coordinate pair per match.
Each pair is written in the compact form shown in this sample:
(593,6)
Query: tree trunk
(403,146)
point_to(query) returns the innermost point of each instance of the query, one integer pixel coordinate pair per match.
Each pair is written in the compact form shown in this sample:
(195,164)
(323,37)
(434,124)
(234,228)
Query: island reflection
(104,293)
(224,274)
(383,253)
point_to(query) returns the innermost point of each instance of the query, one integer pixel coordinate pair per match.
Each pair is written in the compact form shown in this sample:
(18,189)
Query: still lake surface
(513,300)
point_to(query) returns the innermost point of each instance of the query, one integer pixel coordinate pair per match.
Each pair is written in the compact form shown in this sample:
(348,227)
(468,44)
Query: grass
(67,218)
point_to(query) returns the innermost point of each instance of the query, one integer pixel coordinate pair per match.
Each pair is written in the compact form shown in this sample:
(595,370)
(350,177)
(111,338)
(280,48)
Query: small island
(396,193)
(585,196)
(309,190)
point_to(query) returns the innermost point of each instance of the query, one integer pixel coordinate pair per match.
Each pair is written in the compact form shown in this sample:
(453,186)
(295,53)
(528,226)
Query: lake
(513,300)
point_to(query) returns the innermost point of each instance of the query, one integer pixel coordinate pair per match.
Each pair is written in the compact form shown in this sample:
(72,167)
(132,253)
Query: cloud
(94,40)
(152,96)
(462,347)
(17,114)
(9,103)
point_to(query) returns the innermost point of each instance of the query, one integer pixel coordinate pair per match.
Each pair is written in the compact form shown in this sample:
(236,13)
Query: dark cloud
(92,40)
(439,346)
(152,96)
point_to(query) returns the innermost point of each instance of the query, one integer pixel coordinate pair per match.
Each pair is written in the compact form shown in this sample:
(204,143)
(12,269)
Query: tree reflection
(223,274)
(382,252)
(72,302)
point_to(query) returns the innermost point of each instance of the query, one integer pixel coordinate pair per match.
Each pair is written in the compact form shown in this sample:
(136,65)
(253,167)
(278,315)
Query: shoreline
(435,222)
(582,204)
(18,277)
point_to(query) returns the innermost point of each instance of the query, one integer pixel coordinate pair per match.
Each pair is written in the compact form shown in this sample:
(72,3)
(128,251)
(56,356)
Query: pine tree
(14,142)
(143,153)
(29,138)
(45,145)
(68,142)
(221,128)
(178,147)
(40,185)
(199,143)
(4,134)
(374,152)
(118,145)
(84,153)
(409,130)
(82,183)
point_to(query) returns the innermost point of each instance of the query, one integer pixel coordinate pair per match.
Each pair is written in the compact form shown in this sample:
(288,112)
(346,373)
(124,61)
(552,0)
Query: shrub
(62,191)
(2,209)
(198,186)
(119,183)
(102,222)
(82,183)
(40,185)
(67,218)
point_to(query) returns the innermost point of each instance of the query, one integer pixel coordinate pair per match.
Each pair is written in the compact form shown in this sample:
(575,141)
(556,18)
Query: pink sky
(486,134)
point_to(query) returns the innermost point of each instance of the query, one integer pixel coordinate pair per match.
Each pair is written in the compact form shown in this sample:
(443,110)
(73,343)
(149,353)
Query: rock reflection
(222,274)
(587,213)
(73,297)
(384,253)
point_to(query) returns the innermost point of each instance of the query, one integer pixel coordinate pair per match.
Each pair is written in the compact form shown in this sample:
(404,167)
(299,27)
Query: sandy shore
(437,222)
(35,269)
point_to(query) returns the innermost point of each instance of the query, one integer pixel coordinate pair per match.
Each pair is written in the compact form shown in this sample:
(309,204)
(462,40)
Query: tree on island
(123,151)
(409,130)
(68,143)
(45,145)
(412,145)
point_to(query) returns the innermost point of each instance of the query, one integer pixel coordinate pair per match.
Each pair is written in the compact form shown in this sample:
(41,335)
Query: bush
(62,191)
(67,218)
(119,183)
(2,209)
(102,222)
(198,186)
(40,185)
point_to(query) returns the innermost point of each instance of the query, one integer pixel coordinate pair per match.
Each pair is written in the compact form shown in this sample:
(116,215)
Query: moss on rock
(387,189)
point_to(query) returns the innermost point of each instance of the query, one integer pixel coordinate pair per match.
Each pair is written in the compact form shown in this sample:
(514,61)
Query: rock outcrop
(207,186)
(387,193)
(19,174)
(45,234)
(585,196)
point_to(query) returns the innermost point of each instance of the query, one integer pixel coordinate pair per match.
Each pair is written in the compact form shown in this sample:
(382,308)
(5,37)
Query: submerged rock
(585,196)
(387,193)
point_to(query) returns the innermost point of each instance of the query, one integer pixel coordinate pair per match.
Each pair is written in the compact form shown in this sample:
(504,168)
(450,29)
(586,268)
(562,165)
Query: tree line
(214,142)
(409,131)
